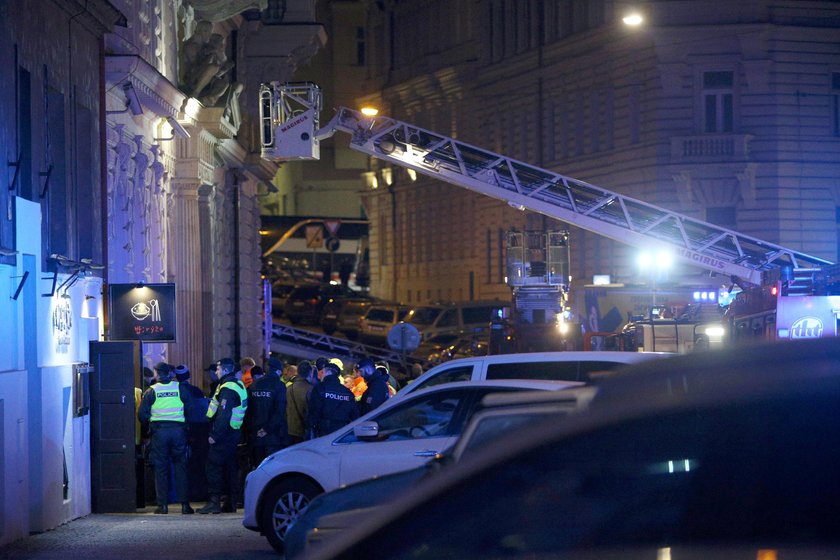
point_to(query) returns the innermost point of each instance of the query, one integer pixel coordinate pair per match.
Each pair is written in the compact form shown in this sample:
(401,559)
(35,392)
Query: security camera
(132,102)
(177,128)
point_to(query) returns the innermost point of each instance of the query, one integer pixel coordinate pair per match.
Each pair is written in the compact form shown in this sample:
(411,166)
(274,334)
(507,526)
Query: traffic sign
(314,237)
(332,244)
(403,337)
(332,226)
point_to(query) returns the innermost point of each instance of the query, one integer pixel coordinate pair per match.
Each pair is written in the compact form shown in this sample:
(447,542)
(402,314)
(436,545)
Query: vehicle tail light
(313,301)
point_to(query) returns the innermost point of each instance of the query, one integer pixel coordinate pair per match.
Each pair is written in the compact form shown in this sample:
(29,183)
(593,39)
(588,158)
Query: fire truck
(787,293)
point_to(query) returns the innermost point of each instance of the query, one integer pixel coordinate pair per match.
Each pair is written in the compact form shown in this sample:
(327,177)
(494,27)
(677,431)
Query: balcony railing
(710,147)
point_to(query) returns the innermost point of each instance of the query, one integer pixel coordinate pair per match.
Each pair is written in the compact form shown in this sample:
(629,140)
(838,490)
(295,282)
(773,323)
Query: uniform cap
(331,369)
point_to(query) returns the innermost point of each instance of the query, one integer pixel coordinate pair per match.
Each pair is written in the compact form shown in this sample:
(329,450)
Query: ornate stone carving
(205,67)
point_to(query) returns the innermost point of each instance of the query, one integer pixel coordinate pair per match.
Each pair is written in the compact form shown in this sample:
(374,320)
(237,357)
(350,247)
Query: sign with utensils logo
(799,317)
(806,327)
(142,312)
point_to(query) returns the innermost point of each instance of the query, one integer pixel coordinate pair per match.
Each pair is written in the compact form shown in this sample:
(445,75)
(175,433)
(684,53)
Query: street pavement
(145,536)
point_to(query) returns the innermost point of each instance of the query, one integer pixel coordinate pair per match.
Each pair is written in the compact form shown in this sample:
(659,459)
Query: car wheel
(284,503)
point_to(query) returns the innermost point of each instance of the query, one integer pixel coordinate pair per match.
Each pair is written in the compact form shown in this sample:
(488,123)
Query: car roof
(681,382)
(527,357)
(533,384)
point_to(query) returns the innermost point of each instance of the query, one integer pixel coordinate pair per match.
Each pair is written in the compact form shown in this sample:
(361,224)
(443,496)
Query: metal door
(116,368)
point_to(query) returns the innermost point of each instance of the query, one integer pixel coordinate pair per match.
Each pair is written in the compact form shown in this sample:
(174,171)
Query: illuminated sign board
(142,312)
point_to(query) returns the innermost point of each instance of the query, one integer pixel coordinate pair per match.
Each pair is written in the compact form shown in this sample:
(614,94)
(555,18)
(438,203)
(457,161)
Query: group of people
(259,409)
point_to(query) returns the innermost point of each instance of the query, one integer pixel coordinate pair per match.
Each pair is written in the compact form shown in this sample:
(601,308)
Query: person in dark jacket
(377,391)
(197,431)
(297,402)
(331,404)
(226,413)
(162,409)
(265,420)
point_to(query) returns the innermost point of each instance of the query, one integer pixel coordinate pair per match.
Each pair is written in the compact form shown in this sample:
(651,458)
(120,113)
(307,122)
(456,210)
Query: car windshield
(424,315)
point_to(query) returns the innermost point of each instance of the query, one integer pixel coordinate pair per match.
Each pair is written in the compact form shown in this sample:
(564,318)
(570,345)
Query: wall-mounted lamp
(90,308)
(132,102)
(177,130)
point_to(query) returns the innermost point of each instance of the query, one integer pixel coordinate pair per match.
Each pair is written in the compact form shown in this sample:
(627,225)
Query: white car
(399,435)
(558,366)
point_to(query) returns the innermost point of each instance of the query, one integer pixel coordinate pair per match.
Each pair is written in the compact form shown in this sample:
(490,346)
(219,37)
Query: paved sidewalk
(146,536)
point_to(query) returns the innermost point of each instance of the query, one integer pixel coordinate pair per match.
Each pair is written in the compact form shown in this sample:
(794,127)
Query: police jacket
(297,406)
(375,394)
(228,403)
(266,410)
(144,413)
(331,406)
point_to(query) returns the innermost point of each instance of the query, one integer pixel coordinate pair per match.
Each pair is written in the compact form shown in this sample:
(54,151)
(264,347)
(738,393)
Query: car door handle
(427,453)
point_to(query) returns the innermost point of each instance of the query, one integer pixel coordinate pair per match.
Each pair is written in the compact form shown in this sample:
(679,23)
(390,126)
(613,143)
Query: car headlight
(716,332)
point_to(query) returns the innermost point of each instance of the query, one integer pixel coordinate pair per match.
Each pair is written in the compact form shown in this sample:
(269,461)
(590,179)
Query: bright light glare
(664,260)
(633,20)
(370,111)
(645,260)
(714,331)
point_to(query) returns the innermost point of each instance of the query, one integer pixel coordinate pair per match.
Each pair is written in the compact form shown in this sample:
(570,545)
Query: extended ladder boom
(525,186)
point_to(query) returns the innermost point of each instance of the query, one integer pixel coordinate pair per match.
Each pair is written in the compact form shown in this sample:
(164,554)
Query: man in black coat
(198,429)
(376,379)
(265,420)
(332,405)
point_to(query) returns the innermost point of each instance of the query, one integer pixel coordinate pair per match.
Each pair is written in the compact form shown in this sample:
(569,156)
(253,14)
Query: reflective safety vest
(237,415)
(168,405)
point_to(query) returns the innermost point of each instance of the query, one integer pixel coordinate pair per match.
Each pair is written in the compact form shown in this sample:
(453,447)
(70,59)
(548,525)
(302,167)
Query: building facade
(131,156)
(725,112)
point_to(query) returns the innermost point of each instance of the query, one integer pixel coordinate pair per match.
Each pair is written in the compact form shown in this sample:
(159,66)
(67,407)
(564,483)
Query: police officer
(265,420)
(226,413)
(377,391)
(162,408)
(332,405)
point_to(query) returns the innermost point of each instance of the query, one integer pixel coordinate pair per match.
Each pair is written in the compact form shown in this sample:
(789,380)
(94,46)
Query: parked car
(459,318)
(430,349)
(465,348)
(343,314)
(305,302)
(567,366)
(399,435)
(334,512)
(378,320)
(720,455)
(280,290)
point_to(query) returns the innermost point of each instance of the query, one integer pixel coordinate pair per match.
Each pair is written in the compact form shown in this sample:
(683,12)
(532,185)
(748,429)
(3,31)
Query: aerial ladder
(290,130)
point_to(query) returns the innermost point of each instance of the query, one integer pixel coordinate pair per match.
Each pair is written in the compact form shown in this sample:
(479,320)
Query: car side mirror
(366,430)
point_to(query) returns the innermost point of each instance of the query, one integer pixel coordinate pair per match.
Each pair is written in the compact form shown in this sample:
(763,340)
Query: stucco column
(185,270)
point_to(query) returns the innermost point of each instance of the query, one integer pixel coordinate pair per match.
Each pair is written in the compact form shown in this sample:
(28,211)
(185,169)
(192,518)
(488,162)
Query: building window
(723,216)
(835,103)
(837,227)
(717,101)
(360,46)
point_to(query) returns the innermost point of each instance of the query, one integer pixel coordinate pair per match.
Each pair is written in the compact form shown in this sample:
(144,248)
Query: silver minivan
(455,318)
